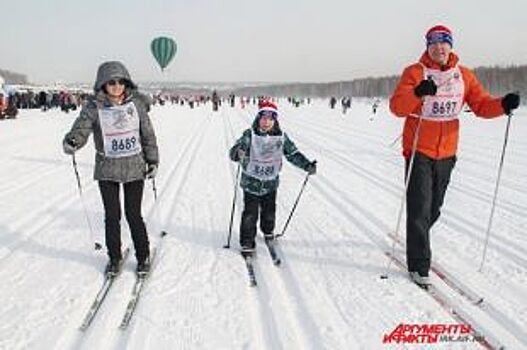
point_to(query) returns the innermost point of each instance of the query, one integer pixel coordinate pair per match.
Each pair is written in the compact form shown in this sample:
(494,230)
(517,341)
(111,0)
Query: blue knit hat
(439,34)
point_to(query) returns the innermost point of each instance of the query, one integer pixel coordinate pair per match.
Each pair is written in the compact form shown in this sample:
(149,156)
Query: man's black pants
(426,191)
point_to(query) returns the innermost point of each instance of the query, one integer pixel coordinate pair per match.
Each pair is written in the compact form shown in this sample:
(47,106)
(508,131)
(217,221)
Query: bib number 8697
(442,108)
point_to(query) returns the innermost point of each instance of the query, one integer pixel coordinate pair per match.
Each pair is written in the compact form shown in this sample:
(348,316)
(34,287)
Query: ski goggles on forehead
(114,82)
(439,37)
(268,114)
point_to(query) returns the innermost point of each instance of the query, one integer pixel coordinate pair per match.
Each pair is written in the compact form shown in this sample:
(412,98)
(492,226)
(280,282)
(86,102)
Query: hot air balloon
(164,50)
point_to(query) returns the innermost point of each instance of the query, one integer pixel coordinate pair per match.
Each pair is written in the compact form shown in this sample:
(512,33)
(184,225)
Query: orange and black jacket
(437,139)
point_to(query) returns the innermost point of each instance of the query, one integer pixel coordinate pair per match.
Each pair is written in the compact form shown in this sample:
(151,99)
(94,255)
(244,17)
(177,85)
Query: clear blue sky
(248,40)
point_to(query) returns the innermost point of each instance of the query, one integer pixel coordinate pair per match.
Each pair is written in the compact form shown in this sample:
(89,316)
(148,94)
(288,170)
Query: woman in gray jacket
(126,152)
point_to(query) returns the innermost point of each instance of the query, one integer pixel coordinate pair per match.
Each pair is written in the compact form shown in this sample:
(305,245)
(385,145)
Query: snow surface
(326,295)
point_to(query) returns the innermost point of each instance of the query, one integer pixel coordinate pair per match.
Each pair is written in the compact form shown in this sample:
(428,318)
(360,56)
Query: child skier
(259,152)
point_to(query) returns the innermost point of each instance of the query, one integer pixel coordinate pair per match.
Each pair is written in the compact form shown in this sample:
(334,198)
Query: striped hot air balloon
(164,50)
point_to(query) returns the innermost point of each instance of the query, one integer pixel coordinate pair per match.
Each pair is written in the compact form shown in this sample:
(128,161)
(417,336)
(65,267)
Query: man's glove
(510,101)
(312,168)
(70,145)
(425,88)
(151,171)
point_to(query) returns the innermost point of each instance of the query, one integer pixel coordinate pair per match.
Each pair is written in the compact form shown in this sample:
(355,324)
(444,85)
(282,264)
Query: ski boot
(421,280)
(113,267)
(143,267)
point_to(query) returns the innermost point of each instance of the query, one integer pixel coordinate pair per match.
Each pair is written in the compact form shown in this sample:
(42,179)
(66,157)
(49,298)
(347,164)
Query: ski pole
(156,203)
(487,236)
(395,141)
(97,245)
(403,197)
(228,245)
(154,188)
(294,207)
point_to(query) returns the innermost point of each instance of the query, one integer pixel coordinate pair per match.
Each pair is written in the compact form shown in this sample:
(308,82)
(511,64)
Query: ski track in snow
(395,190)
(495,312)
(326,294)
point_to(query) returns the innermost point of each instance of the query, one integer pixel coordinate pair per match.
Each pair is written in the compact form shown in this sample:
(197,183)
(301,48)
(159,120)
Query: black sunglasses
(268,114)
(115,82)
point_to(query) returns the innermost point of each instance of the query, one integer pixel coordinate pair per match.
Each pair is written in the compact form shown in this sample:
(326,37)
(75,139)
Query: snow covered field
(326,295)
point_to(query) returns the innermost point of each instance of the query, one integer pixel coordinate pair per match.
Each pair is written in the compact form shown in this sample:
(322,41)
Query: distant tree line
(498,80)
(12,77)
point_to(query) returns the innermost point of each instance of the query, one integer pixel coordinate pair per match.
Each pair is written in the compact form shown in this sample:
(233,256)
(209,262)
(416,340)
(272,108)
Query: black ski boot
(113,267)
(269,238)
(143,267)
(248,252)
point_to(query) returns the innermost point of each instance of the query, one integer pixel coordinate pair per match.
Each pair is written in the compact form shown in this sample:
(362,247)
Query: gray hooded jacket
(125,169)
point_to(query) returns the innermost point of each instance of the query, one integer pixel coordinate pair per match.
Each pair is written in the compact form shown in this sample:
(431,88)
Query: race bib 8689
(120,130)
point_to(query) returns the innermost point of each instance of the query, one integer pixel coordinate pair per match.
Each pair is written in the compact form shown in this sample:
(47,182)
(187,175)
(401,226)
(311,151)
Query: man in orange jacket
(430,96)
